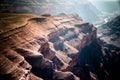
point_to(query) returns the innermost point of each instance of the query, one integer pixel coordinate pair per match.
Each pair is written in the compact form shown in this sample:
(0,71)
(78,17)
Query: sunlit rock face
(13,66)
(42,46)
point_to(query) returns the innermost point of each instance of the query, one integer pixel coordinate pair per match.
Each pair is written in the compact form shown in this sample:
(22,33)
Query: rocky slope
(100,60)
(110,31)
(110,41)
(42,46)
(59,47)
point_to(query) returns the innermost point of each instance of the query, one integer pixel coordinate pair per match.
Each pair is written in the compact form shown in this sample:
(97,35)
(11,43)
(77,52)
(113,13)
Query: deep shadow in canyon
(58,47)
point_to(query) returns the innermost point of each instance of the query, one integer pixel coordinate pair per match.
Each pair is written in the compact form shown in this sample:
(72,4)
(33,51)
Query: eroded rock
(47,46)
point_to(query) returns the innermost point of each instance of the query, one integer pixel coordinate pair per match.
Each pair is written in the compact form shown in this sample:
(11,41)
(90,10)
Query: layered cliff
(34,47)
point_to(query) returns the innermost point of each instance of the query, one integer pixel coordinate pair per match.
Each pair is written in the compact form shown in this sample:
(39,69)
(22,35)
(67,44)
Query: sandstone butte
(42,47)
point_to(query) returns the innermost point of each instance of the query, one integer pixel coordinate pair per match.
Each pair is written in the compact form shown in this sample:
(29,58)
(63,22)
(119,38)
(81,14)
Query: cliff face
(110,41)
(57,47)
(45,46)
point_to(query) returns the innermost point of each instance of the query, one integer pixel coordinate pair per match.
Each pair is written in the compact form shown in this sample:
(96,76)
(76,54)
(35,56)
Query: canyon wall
(43,47)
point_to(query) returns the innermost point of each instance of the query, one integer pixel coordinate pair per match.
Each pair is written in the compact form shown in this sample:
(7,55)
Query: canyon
(53,47)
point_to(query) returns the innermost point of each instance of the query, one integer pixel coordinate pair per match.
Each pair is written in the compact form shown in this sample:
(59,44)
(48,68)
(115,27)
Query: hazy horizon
(89,10)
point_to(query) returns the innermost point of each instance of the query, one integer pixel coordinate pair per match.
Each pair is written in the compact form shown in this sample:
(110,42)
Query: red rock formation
(46,51)
(47,43)
(64,76)
(13,66)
